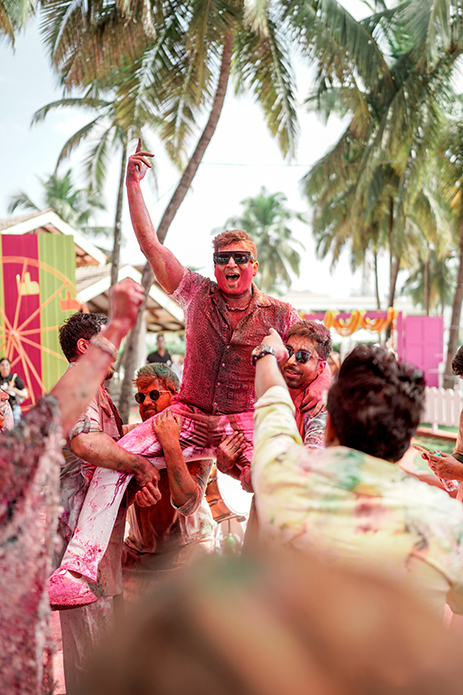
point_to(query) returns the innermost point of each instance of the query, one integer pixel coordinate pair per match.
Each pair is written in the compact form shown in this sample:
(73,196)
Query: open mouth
(232,277)
(291,371)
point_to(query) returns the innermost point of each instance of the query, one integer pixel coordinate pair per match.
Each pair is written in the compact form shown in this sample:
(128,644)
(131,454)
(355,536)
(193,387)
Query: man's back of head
(76,327)
(376,402)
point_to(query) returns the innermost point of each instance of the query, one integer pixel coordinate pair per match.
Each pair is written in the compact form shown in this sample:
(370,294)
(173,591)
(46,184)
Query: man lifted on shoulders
(224,320)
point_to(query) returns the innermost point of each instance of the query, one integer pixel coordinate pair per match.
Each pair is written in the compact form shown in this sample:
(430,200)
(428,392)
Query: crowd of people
(314,441)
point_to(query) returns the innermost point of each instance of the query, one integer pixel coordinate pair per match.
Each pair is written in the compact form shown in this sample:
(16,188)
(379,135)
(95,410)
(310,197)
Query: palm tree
(265,217)
(376,169)
(14,15)
(118,120)
(76,206)
(88,41)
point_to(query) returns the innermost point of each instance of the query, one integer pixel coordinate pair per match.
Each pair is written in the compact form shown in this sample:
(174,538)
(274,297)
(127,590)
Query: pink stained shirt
(218,376)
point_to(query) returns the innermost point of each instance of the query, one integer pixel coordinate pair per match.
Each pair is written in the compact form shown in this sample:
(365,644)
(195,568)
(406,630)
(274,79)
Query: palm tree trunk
(449,380)
(394,263)
(378,300)
(118,220)
(169,214)
(426,282)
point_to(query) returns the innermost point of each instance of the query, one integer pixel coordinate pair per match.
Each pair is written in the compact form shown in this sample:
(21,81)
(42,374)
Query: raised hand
(125,300)
(138,164)
(274,340)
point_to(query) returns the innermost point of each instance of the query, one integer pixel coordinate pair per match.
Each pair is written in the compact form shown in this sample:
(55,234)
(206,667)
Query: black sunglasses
(240,257)
(154,395)
(301,356)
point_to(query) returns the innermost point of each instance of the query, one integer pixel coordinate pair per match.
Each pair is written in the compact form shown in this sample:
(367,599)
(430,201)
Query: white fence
(443,407)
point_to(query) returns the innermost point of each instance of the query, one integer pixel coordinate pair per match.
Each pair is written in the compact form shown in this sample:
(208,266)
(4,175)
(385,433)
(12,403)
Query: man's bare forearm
(182,485)
(101,450)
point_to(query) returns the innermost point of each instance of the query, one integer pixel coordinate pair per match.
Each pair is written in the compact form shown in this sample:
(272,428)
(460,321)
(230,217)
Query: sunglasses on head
(301,356)
(240,257)
(155,395)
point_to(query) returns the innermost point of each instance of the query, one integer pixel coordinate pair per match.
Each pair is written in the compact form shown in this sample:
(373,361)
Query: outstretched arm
(167,269)
(267,370)
(77,387)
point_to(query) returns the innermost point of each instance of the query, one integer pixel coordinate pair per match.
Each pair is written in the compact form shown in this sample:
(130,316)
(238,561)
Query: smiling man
(169,531)
(224,320)
(309,346)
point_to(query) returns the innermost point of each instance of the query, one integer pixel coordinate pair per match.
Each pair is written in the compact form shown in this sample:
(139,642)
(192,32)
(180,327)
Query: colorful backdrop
(37,292)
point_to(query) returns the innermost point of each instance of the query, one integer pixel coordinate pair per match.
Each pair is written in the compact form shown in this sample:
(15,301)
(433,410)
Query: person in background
(350,500)
(30,459)
(14,387)
(161,354)
(167,533)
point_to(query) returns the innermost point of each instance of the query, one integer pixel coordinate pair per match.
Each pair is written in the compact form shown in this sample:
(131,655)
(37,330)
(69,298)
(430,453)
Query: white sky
(241,158)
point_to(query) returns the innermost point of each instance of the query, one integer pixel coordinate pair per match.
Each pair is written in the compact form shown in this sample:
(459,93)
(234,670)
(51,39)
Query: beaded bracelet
(104,344)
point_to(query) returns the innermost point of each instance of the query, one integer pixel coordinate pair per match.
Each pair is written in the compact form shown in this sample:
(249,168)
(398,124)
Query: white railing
(443,407)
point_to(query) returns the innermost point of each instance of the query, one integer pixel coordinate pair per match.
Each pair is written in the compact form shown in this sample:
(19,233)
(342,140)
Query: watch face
(261,351)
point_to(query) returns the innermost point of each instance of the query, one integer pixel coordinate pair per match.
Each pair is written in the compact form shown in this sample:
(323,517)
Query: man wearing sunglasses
(170,529)
(224,321)
(309,346)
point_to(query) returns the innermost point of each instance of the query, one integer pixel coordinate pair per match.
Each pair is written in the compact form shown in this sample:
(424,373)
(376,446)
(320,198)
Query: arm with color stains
(167,269)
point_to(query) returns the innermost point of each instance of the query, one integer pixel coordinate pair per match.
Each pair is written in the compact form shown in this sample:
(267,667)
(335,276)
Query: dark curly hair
(79,326)
(376,402)
(316,332)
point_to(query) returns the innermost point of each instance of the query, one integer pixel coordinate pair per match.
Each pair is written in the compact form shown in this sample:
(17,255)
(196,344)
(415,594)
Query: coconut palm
(266,217)
(14,15)
(382,157)
(76,206)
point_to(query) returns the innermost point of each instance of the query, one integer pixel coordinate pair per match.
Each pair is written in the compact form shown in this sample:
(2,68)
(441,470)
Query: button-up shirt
(75,478)
(355,507)
(218,376)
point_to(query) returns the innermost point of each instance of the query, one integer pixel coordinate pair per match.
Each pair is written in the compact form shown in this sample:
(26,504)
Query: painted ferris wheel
(37,292)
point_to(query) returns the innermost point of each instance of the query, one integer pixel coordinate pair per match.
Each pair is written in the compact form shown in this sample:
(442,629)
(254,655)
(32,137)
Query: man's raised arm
(167,269)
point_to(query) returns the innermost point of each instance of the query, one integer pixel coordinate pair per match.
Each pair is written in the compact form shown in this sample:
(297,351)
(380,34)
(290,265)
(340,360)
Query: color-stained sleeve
(201,473)
(189,285)
(89,421)
(21,449)
(281,484)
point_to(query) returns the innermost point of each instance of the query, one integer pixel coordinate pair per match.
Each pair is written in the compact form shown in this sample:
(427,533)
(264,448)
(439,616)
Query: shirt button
(223,364)
(218,383)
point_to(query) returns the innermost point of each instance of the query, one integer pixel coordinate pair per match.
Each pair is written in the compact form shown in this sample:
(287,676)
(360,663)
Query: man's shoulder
(191,283)
(263,299)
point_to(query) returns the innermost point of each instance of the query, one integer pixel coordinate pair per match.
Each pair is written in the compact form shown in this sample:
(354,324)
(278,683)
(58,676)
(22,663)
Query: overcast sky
(241,158)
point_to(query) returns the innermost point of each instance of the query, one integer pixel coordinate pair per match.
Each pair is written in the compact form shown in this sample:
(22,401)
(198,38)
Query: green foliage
(76,206)
(13,16)
(378,187)
(265,217)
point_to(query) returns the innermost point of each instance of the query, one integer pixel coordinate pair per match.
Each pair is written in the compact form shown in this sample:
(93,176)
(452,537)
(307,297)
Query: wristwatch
(261,351)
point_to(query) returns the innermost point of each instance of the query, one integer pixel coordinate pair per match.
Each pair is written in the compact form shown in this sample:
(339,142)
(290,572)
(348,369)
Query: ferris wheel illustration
(36,299)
